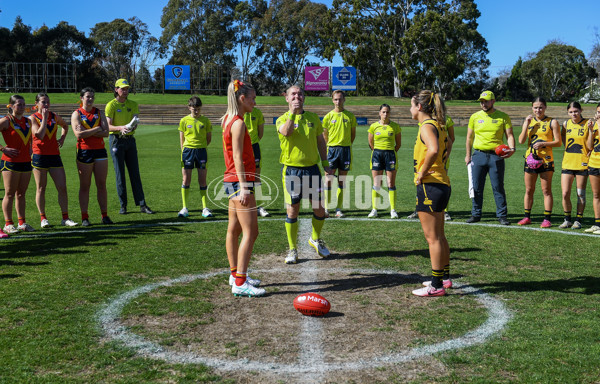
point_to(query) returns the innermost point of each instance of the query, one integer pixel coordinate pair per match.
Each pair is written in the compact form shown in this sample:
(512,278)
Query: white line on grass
(109,319)
(111,229)
(311,336)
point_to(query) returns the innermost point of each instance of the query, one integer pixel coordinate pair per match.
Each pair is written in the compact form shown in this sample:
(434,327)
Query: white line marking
(311,336)
(111,229)
(108,317)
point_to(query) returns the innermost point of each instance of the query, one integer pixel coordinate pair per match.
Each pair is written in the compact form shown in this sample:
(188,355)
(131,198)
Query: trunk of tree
(397,90)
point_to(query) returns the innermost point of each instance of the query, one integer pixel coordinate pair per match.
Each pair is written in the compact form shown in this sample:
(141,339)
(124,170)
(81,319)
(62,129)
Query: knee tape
(581,195)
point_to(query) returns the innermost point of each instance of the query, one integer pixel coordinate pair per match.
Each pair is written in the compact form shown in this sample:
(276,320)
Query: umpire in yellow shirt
(302,147)
(486,131)
(122,116)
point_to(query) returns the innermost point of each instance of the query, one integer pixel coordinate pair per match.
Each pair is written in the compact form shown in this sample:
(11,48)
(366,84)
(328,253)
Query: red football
(502,149)
(311,304)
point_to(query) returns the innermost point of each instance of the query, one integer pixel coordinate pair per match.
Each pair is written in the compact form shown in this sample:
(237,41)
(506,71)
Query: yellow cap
(487,95)
(122,83)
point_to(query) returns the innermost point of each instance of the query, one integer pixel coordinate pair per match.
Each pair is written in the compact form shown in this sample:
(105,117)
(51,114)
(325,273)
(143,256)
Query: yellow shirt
(437,172)
(540,130)
(300,148)
(384,135)
(252,121)
(489,129)
(576,154)
(339,127)
(194,131)
(121,113)
(595,154)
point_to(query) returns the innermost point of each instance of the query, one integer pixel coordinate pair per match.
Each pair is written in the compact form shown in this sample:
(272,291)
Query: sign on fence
(343,78)
(177,77)
(316,78)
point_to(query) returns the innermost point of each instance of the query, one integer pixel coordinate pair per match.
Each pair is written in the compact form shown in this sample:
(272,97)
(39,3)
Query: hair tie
(237,84)
(8,106)
(431,98)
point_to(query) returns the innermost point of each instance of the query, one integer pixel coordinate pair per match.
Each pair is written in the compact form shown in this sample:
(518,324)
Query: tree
(516,87)
(418,43)
(117,42)
(248,17)
(558,72)
(292,31)
(200,31)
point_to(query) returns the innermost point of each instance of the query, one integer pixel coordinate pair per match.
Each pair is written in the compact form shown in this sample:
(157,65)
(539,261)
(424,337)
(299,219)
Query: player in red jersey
(238,181)
(46,158)
(15,163)
(90,128)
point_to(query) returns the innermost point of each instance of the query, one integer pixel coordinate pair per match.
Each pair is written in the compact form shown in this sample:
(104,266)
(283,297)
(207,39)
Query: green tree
(417,43)
(558,72)
(516,87)
(117,41)
(200,31)
(292,31)
(249,42)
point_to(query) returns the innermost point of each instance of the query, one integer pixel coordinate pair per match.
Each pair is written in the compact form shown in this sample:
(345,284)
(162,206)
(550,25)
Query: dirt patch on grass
(367,322)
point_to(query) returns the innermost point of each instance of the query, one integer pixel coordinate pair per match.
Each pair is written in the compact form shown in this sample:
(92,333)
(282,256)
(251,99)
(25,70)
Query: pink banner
(316,78)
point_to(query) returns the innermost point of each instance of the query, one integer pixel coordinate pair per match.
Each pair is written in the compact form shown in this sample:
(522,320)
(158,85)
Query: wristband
(324,163)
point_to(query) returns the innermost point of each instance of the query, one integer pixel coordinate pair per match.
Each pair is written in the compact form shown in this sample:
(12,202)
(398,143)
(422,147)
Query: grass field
(54,283)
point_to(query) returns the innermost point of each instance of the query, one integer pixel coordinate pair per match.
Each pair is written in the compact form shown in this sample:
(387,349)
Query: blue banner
(343,78)
(177,77)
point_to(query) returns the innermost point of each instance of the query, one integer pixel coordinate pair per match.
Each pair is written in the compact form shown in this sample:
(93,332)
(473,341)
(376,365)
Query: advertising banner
(177,77)
(316,78)
(343,78)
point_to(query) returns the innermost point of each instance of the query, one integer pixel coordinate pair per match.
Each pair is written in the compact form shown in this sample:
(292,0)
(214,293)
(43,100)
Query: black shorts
(90,156)
(432,197)
(581,172)
(593,171)
(546,167)
(256,150)
(383,160)
(340,158)
(23,167)
(46,161)
(193,158)
(301,183)
(232,189)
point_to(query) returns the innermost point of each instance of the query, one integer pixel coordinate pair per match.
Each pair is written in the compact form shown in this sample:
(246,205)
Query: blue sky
(512,28)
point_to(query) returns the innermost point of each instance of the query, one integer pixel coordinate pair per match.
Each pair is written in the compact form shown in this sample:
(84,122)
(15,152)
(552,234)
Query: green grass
(52,287)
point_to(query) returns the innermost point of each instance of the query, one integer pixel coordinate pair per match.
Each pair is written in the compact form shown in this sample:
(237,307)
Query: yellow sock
(291,229)
(203,196)
(340,197)
(392,198)
(327,192)
(374,195)
(185,193)
(317,226)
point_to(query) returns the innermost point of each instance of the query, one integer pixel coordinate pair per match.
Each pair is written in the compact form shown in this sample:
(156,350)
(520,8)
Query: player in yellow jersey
(339,131)
(451,138)
(385,139)
(302,147)
(542,133)
(593,145)
(433,186)
(195,134)
(574,135)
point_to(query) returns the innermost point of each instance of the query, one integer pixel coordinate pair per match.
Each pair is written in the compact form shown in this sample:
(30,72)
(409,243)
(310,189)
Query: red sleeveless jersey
(90,120)
(247,154)
(18,136)
(48,145)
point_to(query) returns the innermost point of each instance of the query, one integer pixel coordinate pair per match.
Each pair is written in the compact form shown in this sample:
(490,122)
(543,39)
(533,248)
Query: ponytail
(235,89)
(433,105)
